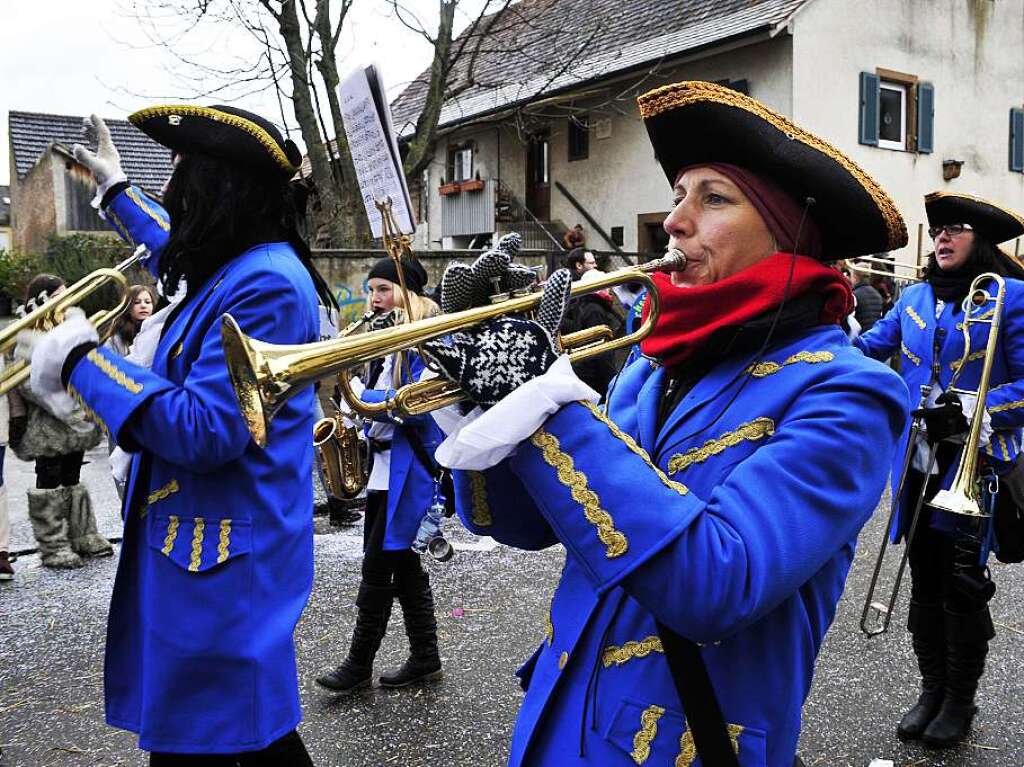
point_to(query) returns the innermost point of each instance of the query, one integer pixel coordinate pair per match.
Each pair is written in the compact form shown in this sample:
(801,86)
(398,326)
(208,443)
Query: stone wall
(33,212)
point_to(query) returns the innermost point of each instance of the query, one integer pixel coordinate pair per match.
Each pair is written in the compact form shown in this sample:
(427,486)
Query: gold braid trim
(614,541)
(147,208)
(119,226)
(616,656)
(225,540)
(254,130)
(113,372)
(549,630)
(1007,406)
(764,369)
(955,365)
(983,316)
(91,414)
(673,96)
(909,354)
(679,487)
(197,544)
(755,430)
(939,195)
(916,318)
(481,514)
(688,750)
(172,535)
(158,495)
(647,732)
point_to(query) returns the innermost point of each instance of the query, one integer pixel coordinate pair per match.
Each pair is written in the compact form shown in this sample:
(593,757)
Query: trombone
(875,266)
(51,314)
(964,497)
(265,376)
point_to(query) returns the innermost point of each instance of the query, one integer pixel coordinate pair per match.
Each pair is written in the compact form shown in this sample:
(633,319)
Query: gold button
(562,660)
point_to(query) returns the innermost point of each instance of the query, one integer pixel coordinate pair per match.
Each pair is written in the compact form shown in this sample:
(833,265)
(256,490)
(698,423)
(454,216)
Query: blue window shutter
(868,133)
(1017,140)
(925,118)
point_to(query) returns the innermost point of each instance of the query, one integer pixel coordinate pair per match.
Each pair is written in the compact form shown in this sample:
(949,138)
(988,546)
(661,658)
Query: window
(616,235)
(1017,140)
(896,112)
(579,137)
(460,162)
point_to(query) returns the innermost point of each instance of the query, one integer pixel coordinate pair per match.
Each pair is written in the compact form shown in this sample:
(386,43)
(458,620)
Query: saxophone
(341,452)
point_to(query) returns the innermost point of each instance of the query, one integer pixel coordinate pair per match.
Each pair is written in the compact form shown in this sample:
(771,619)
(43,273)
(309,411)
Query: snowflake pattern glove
(383,320)
(464,286)
(493,359)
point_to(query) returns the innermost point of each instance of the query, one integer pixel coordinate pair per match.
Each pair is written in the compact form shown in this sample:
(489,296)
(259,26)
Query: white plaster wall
(973,53)
(620,179)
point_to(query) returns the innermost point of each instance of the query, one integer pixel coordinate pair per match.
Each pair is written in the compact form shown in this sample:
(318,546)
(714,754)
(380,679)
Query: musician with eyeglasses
(710,512)
(949,618)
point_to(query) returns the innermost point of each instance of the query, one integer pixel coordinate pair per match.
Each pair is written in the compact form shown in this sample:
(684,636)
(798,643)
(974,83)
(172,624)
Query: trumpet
(265,376)
(51,314)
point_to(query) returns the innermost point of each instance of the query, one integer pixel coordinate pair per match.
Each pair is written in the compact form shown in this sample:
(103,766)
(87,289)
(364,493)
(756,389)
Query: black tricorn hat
(224,132)
(696,122)
(994,223)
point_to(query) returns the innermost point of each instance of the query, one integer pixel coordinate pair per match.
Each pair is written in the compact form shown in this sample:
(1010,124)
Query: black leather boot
(967,637)
(356,671)
(927,628)
(417,600)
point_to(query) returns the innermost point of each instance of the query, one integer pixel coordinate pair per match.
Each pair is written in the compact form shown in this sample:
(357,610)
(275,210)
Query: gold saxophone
(342,453)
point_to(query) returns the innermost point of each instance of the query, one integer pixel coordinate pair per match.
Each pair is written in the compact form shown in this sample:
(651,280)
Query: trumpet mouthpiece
(673,261)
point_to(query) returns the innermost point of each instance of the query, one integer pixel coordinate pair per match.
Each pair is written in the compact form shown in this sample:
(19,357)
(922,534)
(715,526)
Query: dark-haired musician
(217,560)
(949,617)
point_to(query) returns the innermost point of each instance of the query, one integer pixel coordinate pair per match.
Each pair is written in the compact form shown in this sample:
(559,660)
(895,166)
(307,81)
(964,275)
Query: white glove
(105,162)
(969,402)
(46,352)
(120,462)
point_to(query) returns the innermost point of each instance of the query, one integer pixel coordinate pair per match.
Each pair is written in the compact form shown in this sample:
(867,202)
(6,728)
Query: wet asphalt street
(491,603)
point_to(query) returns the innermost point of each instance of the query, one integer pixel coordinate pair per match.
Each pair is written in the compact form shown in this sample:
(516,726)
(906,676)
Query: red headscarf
(689,316)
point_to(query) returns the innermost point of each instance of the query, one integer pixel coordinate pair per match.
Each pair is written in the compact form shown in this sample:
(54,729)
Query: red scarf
(689,316)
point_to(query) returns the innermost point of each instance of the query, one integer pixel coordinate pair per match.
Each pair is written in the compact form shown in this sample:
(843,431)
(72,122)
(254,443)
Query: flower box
(474,185)
(447,189)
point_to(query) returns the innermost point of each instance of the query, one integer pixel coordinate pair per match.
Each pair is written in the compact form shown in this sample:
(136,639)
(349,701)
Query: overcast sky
(82,56)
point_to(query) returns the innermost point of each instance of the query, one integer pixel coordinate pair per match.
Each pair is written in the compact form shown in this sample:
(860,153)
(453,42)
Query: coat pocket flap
(653,734)
(199,544)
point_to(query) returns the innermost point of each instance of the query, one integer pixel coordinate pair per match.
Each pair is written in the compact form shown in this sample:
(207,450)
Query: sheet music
(374,149)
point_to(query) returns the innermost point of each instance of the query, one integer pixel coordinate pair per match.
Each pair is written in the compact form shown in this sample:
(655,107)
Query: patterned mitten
(383,320)
(463,286)
(498,356)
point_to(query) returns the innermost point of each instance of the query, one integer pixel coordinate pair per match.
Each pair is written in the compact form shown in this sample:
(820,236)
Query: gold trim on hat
(668,97)
(254,130)
(933,196)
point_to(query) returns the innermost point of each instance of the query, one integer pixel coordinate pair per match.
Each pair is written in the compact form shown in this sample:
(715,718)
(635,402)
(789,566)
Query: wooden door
(538,175)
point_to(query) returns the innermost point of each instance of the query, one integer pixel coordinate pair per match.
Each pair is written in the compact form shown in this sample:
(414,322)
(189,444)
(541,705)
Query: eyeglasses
(951,229)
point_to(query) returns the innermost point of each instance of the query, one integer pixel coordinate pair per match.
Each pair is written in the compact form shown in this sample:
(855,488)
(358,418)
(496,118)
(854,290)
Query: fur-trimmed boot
(927,628)
(424,662)
(85,540)
(47,511)
(356,671)
(967,637)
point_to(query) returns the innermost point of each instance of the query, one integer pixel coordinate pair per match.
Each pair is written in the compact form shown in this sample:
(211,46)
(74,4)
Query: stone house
(923,94)
(5,218)
(50,193)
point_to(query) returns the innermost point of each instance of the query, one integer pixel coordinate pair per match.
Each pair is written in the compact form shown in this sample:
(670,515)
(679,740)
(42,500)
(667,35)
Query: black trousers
(380,567)
(288,750)
(936,559)
(54,471)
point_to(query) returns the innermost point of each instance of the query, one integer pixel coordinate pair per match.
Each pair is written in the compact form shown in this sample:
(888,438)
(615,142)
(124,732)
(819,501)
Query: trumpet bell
(245,363)
(957,503)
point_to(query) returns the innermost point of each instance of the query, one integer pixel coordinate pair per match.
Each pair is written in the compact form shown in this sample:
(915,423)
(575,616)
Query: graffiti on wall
(352,302)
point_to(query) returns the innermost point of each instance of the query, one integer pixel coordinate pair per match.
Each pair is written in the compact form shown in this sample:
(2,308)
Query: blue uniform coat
(734,528)
(911,329)
(410,484)
(217,559)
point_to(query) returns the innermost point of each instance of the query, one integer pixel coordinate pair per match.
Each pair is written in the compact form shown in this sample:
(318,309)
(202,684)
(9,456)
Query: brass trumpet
(266,375)
(51,314)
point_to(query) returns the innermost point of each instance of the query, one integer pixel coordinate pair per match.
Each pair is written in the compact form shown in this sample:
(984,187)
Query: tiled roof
(5,206)
(145,162)
(540,47)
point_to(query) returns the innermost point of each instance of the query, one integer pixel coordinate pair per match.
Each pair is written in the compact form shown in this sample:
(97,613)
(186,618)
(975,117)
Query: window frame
(455,151)
(892,80)
(578,138)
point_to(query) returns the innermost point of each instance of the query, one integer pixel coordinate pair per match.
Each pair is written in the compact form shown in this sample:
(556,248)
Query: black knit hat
(695,122)
(413,271)
(993,222)
(228,133)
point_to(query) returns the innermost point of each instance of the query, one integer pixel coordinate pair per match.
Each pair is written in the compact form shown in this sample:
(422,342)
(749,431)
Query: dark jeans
(935,560)
(384,568)
(54,471)
(288,750)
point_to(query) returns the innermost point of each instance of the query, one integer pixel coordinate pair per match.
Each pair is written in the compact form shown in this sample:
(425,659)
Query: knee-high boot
(927,628)
(85,540)
(48,514)
(967,637)
(417,600)
(374,611)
